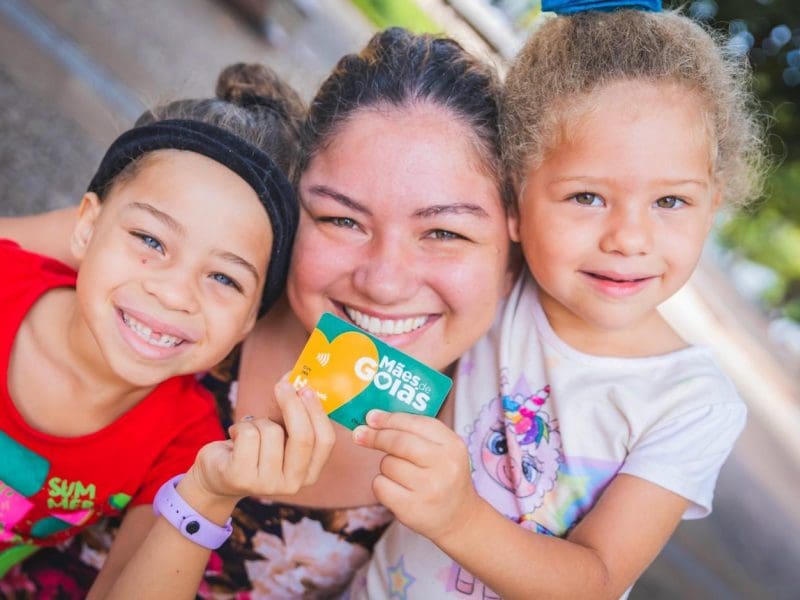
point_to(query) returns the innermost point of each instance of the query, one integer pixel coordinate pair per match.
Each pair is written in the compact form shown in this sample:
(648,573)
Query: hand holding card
(353,372)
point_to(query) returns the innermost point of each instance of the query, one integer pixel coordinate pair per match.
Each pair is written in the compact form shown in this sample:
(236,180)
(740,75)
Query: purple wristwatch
(169,504)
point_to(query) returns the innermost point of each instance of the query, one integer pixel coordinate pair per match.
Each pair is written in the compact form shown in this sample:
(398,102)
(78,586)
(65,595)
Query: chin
(143,377)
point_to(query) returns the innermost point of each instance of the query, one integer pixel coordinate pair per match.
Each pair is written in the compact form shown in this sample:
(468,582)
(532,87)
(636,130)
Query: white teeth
(377,326)
(146,333)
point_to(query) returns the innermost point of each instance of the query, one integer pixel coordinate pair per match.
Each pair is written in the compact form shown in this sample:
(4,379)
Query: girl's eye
(226,281)
(344,222)
(587,199)
(443,234)
(669,202)
(149,240)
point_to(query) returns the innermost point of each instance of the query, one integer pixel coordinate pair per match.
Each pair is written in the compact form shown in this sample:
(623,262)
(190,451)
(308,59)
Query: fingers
(408,446)
(300,435)
(256,457)
(422,426)
(310,434)
(324,435)
(390,493)
(262,458)
(400,471)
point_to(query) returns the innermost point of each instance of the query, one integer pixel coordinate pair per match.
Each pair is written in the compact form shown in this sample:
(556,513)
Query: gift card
(353,372)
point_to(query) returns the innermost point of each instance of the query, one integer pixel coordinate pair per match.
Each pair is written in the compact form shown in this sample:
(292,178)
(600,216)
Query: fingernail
(374,415)
(247,418)
(359,434)
(308,393)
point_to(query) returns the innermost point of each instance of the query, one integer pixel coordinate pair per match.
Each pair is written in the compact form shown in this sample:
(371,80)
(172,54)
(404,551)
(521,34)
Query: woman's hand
(262,458)
(425,476)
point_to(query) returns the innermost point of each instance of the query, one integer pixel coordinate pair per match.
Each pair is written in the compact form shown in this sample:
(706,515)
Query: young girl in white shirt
(585,427)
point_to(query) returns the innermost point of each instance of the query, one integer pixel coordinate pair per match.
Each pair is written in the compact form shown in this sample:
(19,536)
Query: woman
(404,232)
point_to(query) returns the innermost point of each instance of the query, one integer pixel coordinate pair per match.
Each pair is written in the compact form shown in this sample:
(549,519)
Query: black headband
(250,163)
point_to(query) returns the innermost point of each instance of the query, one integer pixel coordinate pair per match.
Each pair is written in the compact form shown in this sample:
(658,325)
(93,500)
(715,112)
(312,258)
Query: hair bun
(252,84)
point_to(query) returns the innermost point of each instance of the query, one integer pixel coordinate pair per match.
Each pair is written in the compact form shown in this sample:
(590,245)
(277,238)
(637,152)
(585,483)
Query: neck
(64,388)
(651,335)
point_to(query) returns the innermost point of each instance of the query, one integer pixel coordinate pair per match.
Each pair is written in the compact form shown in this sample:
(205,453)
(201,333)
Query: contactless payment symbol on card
(354,372)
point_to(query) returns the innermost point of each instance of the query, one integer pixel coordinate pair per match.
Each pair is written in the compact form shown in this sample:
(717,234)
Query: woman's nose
(389,273)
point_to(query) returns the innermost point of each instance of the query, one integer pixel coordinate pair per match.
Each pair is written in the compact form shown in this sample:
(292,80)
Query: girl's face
(172,267)
(402,233)
(613,221)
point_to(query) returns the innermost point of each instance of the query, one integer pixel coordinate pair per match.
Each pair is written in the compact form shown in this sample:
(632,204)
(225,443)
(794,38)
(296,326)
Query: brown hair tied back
(399,68)
(251,102)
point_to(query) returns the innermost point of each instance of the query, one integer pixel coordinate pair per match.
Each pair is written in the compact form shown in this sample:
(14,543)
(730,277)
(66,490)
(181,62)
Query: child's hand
(262,459)
(425,476)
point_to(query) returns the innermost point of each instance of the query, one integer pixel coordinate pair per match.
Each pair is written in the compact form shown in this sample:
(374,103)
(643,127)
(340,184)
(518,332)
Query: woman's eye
(226,281)
(587,199)
(344,222)
(149,240)
(669,202)
(443,234)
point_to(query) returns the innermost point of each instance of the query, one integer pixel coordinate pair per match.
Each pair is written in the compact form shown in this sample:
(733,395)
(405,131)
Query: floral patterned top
(277,550)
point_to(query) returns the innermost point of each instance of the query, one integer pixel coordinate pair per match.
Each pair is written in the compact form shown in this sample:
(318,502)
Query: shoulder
(17,261)
(692,378)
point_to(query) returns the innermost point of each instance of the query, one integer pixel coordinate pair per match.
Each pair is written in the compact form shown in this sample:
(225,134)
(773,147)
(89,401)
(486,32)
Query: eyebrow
(593,180)
(459,208)
(161,216)
(238,260)
(429,211)
(322,190)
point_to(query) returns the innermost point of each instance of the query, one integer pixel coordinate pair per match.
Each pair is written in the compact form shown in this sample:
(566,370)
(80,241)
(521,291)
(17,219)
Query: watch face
(192,527)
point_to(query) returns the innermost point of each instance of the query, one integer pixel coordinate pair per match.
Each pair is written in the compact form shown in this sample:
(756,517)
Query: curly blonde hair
(569,57)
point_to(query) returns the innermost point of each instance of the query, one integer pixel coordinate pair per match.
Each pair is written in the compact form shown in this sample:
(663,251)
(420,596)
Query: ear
(88,212)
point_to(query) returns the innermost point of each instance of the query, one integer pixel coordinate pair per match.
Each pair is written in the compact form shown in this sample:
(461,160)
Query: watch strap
(169,504)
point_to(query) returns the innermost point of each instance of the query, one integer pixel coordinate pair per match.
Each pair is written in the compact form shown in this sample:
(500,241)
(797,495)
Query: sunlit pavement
(74,73)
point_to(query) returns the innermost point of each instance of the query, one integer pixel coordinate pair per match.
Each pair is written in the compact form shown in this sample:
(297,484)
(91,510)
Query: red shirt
(50,487)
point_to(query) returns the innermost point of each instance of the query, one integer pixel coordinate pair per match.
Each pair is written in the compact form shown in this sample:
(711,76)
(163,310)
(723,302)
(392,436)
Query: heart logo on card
(337,366)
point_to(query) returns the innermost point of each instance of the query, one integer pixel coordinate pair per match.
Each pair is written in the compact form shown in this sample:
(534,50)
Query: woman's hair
(251,102)
(569,57)
(400,69)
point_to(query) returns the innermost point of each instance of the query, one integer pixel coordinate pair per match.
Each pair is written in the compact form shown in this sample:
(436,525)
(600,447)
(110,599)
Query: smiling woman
(395,253)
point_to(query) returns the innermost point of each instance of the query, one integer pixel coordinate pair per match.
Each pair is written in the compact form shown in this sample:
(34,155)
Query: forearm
(518,563)
(166,564)
(46,233)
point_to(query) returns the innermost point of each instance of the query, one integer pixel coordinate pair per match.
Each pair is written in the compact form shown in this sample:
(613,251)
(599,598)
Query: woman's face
(402,233)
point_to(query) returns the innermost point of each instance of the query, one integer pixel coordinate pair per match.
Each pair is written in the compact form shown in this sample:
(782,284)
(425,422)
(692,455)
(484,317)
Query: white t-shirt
(548,427)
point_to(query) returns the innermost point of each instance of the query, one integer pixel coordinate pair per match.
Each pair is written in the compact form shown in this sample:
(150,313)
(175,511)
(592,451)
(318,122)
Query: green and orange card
(353,372)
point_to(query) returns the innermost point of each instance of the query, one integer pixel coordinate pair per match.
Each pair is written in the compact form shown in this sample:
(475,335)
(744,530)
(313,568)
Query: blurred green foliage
(405,13)
(769,232)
